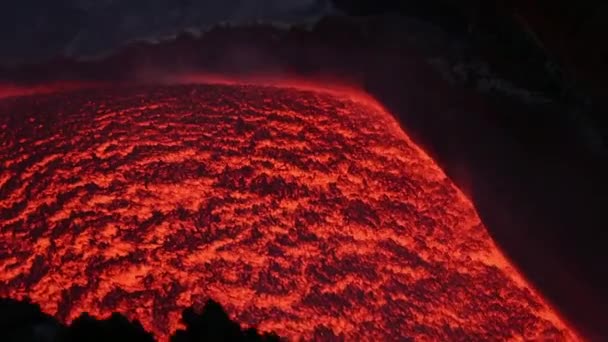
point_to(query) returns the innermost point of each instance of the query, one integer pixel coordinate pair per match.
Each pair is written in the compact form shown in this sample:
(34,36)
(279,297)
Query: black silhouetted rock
(116,328)
(23,321)
(213,324)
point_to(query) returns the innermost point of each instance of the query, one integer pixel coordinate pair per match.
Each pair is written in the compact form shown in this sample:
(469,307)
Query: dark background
(508,96)
(34,30)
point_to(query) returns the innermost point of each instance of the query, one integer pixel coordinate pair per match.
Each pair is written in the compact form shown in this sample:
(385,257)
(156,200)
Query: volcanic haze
(302,211)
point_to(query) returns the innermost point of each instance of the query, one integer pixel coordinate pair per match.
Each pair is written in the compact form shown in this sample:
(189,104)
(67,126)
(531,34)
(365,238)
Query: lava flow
(304,212)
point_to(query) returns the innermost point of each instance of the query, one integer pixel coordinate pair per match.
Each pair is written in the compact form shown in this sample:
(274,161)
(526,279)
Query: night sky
(33,30)
(508,97)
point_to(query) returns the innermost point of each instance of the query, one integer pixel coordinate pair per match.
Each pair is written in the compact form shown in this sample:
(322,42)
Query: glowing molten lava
(305,212)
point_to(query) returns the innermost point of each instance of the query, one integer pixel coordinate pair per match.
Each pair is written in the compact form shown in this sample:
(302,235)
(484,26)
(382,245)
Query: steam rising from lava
(302,211)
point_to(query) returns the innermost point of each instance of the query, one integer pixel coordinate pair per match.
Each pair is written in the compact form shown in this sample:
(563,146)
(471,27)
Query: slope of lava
(304,212)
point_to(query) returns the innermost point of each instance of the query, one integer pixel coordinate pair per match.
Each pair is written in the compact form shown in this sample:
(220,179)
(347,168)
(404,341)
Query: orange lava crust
(303,211)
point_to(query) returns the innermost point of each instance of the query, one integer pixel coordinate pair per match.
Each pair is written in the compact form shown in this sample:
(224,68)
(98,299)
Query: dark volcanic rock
(22,321)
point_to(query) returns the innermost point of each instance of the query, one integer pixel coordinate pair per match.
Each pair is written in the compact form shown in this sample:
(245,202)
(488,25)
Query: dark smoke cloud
(36,30)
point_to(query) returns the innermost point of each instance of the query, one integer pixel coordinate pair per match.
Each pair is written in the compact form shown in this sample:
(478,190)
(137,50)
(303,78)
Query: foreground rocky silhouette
(23,321)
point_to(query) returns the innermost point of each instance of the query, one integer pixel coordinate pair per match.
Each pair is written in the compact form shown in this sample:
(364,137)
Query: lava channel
(304,212)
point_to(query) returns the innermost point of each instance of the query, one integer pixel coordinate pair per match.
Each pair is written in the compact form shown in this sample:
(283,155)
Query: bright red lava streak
(302,210)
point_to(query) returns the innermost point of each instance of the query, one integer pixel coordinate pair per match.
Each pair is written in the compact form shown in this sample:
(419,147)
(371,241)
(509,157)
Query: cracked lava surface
(305,212)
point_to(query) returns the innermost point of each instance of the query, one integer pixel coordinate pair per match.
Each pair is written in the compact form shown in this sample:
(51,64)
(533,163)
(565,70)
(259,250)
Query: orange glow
(304,210)
(10,90)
